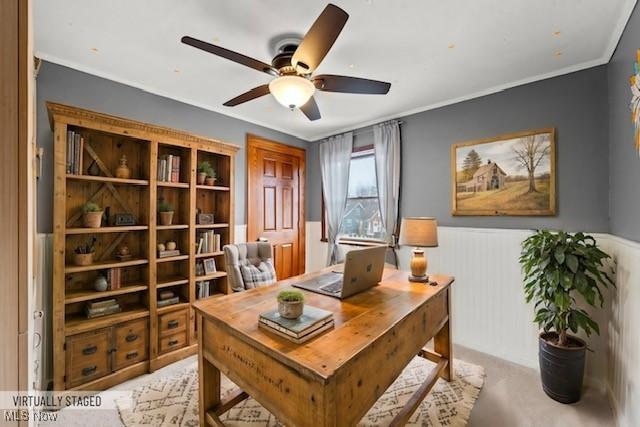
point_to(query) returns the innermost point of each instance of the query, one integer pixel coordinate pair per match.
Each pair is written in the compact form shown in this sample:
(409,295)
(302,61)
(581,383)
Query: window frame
(357,151)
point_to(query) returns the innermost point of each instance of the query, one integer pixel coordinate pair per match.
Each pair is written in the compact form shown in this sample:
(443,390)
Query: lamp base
(421,279)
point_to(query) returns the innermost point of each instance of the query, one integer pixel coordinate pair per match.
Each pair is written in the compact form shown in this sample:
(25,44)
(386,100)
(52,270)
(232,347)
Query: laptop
(362,270)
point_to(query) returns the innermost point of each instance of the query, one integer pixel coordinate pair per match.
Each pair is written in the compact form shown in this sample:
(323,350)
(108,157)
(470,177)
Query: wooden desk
(335,378)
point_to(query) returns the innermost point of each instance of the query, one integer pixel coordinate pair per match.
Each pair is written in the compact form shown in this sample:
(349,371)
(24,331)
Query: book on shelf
(169,168)
(92,313)
(75,148)
(164,295)
(208,242)
(202,289)
(304,338)
(114,278)
(168,301)
(311,320)
(103,303)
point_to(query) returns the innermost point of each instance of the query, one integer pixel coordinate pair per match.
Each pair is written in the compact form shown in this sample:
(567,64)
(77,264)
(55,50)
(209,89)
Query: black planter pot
(561,368)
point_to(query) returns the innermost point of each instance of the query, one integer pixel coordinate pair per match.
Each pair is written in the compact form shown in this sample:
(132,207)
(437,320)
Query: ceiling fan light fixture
(292,91)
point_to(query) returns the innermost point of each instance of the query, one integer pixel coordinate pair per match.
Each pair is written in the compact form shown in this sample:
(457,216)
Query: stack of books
(311,323)
(202,289)
(166,298)
(114,277)
(169,168)
(75,147)
(101,308)
(208,242)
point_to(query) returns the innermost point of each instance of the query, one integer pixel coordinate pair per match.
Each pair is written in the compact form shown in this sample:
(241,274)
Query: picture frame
(508,175)
(209,265)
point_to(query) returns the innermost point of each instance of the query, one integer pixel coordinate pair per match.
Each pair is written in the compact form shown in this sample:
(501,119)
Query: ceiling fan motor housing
(282,60)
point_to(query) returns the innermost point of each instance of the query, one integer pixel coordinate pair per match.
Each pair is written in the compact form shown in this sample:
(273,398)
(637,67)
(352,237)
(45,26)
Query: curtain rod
(366,130)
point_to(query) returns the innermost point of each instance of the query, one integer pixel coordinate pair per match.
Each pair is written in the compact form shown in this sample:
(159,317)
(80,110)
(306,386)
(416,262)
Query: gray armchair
(244,259)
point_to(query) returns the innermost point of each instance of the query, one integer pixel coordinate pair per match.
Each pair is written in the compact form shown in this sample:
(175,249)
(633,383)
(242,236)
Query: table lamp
(419,232)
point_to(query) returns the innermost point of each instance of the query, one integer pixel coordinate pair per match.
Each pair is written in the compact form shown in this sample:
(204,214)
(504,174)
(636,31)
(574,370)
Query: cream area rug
(173,401)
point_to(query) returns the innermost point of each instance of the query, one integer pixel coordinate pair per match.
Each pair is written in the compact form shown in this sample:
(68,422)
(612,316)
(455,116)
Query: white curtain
(335,159)
(386,143)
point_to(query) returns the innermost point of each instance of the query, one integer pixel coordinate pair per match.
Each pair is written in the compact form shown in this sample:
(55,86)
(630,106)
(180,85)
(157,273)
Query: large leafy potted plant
(558,267)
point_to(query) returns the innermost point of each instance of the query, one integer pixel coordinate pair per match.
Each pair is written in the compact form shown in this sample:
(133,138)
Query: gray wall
(65,85)
(575,104)
(624,163)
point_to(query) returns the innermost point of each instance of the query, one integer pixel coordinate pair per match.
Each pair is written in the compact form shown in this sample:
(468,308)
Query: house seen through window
(362,219)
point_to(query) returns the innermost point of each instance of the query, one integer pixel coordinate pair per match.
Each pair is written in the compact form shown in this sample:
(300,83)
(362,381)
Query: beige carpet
(173,401)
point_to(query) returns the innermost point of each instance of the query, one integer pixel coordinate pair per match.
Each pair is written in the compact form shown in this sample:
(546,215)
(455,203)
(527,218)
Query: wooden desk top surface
(359,319)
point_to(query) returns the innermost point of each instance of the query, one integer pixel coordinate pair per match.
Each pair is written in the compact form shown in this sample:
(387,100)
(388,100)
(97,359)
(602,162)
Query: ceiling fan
(293,65)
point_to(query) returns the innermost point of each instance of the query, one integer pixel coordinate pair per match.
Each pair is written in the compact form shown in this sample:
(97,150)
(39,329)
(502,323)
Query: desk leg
(208,379)
(443,344)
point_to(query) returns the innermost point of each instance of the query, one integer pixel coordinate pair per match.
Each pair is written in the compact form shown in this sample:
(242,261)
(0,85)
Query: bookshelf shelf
(216,275)
(204,226)
(109,179)
(172,281)
(172,227)
(101,230)
(104,265)
(84,295)
(173,258)
(162,168)
(212,187)
(78,323)
(210,254)
(173,184)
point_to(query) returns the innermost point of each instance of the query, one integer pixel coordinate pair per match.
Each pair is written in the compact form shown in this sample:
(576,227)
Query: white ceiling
(434,52)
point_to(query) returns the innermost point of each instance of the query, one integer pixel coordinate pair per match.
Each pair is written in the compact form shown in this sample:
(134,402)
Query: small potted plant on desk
(557,268)
(92,215)
(166,213)
(84,253)
(290,304)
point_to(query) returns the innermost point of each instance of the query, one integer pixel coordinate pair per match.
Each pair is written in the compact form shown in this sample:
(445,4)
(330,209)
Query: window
(362,220)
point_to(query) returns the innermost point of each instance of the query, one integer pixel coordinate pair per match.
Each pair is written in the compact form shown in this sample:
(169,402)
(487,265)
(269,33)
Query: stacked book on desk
(101,308)
(311,323)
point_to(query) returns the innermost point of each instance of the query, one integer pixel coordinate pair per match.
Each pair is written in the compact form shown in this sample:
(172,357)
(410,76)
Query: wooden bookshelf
(105,140)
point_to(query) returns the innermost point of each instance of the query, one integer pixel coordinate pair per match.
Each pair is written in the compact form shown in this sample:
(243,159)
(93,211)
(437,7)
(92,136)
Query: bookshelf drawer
(88,357)
(173,342)
(130,343)
(172,322)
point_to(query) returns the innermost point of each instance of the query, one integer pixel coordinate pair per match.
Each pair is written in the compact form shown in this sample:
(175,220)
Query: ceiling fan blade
(319,39)
(254,93)
(230,55)
(311,110)
(346,84)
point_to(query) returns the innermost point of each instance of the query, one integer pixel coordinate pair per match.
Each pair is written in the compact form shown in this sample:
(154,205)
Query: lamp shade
(419,232)
(291,91)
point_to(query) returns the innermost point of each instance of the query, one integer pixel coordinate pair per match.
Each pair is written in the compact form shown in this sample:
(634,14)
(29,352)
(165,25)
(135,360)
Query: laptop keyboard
(333,288)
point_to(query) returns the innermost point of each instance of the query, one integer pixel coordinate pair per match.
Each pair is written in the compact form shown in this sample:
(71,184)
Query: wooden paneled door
(275,201)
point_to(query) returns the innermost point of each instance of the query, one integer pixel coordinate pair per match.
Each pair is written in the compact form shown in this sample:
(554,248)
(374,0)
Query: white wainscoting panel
(624,333)
(489,310)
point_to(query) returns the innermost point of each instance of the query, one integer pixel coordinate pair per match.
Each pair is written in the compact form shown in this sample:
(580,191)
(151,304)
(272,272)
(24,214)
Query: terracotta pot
(92,219)
(201,178)
(290,309)
(210,181)
(123,171)
(166,218)
(83,259)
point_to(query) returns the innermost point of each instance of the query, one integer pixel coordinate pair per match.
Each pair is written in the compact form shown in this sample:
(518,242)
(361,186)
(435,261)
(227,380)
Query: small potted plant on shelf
(558,267)
(83,254)
(166,213)
(92,215)
(290,304)
(205,171)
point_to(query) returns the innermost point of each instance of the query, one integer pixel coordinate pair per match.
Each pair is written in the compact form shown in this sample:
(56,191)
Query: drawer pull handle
(172,343)
(172,324)
(132,355)
(89,371)
(131,337)
(89,350)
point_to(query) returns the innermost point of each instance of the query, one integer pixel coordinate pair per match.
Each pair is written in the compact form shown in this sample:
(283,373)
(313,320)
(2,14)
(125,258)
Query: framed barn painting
(511,174)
